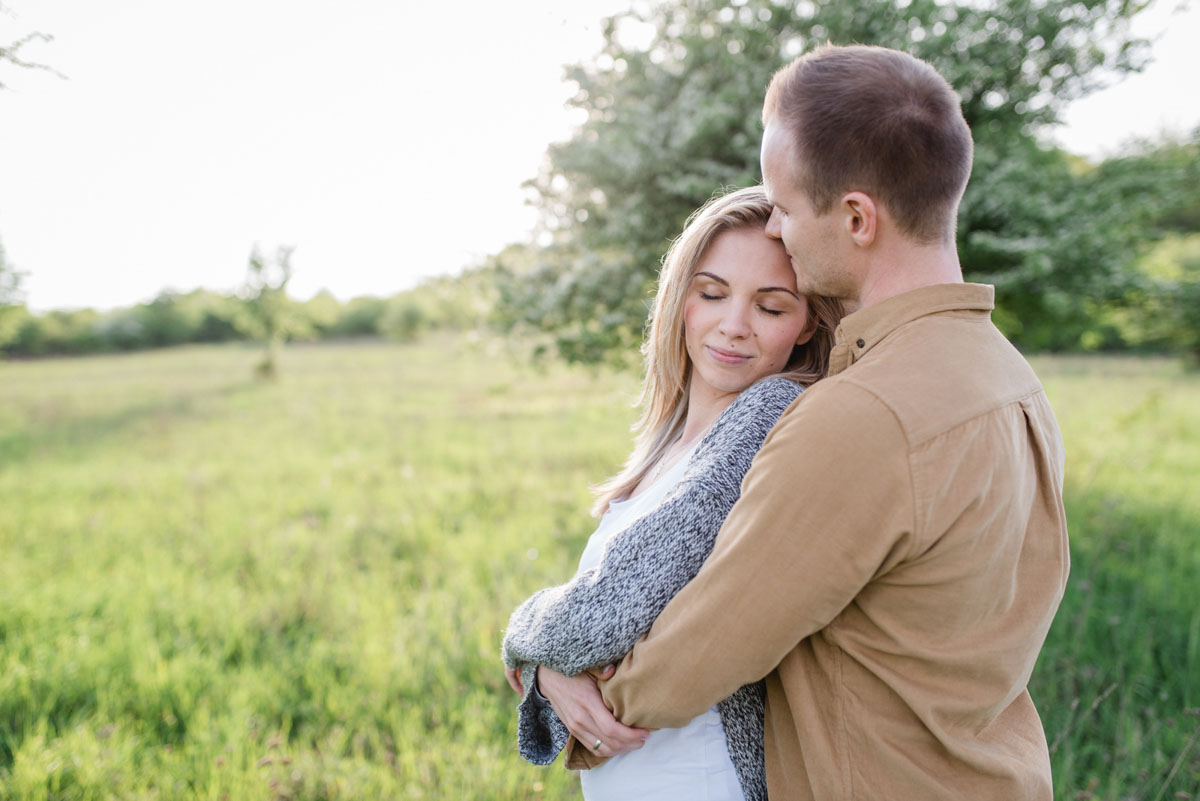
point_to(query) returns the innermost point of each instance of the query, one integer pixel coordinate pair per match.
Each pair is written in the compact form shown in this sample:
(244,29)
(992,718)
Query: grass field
(212,587)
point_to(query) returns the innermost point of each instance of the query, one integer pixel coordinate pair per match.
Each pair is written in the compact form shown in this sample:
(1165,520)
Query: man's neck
(902,267)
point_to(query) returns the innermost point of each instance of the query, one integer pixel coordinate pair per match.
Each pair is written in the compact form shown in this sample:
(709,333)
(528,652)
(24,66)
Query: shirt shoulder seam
(917,522)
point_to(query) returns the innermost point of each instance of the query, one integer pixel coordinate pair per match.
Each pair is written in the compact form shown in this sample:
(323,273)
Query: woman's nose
(735,322)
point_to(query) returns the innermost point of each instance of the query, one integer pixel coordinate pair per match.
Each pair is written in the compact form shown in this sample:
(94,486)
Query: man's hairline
(796,181)
(789,158)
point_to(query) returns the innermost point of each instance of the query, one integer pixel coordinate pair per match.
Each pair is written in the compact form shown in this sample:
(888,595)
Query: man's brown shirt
(892,568)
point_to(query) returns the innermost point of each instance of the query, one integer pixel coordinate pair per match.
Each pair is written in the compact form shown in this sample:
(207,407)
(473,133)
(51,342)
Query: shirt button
(861,344)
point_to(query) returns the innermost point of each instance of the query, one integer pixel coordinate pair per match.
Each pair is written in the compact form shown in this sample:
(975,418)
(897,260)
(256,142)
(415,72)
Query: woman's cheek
(788,335)
(781,350)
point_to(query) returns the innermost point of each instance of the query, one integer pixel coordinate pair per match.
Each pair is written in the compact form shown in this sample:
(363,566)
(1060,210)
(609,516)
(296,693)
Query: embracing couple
(831,560)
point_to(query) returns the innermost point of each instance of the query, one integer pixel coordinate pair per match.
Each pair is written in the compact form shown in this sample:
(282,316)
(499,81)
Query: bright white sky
(386,140)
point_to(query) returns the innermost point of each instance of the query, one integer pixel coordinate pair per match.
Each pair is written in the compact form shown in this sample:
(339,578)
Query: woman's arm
(596,617)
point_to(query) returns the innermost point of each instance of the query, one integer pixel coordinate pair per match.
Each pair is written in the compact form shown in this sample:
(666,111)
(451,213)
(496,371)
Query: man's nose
(773,229)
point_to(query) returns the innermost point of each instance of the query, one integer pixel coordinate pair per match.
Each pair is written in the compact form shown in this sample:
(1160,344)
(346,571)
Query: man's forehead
(773,155)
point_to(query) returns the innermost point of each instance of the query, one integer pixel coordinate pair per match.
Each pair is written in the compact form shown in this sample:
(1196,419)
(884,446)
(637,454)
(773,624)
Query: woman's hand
(578,704)
(514,681)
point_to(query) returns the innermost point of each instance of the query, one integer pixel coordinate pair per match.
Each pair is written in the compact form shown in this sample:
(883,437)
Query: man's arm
(826,507)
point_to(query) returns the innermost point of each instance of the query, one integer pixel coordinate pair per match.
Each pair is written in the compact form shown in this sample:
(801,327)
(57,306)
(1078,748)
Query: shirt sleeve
(826,505)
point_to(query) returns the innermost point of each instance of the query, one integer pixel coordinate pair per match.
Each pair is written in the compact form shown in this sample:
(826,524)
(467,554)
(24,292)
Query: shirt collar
(865,328)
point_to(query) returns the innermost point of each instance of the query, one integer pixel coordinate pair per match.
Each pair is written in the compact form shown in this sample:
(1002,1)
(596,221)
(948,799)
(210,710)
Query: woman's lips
(726,356)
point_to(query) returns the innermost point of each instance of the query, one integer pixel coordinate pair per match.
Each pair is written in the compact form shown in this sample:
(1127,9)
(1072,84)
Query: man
(900,548)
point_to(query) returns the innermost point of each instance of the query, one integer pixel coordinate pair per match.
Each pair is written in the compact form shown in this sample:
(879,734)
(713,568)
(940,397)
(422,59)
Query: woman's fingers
(604,673)
(594,744)
(614,735)
(578,704)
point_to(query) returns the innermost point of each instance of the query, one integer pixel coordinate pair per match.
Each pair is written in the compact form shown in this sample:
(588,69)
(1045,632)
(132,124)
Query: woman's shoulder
(775,392)
(742,427)
(759,404)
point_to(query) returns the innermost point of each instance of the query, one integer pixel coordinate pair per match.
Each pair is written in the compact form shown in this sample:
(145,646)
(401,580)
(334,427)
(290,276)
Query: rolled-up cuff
(540,734)
(529,679)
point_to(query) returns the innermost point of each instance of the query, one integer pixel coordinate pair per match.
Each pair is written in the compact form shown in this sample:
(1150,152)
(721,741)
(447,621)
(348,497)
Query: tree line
(261,313)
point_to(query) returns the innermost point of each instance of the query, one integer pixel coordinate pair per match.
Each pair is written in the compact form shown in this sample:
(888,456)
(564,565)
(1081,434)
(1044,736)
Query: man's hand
(577,702)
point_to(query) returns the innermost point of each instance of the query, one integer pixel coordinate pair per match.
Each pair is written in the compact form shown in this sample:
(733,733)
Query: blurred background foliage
(672,108)
(459,303)
(1084,256)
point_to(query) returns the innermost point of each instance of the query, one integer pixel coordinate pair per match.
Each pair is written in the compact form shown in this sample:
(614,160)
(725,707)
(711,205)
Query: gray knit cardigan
(596,617)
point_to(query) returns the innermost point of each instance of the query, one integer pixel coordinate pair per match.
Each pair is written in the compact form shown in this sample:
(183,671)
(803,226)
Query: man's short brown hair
(878,121)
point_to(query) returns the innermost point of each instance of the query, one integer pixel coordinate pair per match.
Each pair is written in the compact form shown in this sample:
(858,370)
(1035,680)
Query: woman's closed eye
(774,312)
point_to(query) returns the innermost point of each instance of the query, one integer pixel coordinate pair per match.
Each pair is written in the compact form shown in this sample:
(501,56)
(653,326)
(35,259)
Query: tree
(12,308)
(271,316)
(672,106)
(1157,185)
(319,314)
(1166,311)
(12,311)
(11,53)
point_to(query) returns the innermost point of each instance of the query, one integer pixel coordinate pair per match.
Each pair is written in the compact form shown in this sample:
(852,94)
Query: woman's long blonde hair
(664,398)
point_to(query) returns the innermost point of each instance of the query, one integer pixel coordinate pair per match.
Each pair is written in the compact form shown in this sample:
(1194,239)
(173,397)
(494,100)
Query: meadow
(213,587)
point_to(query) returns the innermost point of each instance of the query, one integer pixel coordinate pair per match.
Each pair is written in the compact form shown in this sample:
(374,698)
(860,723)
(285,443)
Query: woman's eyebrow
(779,289)
(716,278)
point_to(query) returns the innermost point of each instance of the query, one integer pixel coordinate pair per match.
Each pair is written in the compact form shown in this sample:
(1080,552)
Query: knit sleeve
(596,618)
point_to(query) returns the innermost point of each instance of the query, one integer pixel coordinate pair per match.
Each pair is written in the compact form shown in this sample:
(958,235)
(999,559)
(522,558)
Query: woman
(727,315)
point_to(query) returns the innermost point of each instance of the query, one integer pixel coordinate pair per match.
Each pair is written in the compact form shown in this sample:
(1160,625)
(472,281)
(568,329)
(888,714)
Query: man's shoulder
(942,372)
(839,408)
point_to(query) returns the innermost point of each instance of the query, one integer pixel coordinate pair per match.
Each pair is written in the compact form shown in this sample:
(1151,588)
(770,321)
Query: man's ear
(860,216)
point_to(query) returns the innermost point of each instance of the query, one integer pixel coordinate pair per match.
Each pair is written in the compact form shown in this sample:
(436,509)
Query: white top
(686,764)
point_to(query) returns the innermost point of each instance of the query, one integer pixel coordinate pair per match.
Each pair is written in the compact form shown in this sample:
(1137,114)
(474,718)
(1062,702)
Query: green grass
(1118,684)
(212,587)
